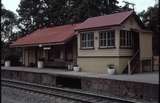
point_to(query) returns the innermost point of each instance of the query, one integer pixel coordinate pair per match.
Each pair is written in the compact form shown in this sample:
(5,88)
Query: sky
(140,5)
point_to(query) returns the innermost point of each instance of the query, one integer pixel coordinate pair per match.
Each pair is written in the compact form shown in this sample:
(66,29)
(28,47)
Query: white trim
(105,40)
(87,42)
(127,38)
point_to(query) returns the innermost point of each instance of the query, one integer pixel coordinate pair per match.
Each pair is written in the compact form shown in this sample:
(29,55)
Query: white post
(129,68)
(62,53)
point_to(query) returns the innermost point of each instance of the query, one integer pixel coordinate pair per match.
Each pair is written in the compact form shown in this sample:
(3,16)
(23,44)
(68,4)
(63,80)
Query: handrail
(135,55)
(130,61)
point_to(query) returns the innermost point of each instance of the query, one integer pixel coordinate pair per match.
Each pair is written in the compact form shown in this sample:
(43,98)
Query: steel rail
(63,92)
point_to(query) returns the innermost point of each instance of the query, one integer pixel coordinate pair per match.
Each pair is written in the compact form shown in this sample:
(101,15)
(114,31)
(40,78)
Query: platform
(150,77)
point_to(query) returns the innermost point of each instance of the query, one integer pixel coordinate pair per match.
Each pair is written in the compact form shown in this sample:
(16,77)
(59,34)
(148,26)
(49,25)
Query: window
(107,39)
(87,40)
(126,39)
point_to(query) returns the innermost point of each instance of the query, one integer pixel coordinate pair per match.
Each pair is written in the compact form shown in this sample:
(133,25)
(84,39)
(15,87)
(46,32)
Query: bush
(41,59)
(8,58)
(75,65)
(14,60)
(32,65)
(111,66)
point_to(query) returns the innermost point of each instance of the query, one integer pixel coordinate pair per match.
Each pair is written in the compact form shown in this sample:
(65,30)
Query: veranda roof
(47,36)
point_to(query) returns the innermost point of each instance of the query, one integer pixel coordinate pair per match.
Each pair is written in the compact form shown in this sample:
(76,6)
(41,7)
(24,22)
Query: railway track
(70,94)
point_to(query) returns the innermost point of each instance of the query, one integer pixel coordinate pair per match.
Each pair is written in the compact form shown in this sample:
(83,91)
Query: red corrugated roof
(104,21)
(58,34)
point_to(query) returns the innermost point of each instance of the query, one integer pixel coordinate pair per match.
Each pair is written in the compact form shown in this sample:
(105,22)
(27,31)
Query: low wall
(31,77)
(135,90)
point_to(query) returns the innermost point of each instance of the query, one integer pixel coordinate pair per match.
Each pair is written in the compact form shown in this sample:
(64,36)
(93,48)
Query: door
(136,51)
(135,41)
(69,53)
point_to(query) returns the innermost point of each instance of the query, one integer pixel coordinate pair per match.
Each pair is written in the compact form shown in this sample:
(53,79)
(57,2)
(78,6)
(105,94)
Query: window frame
(87,40)
(127,39)
(107,40)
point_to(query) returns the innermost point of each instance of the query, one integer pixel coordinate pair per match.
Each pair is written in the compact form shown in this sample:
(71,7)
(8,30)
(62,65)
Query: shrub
(32,65)
(111,66)
(41,59)
(14,59)
(8,58)
(75,65)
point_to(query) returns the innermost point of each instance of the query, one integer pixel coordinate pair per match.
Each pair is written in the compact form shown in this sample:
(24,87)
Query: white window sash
(87,42)
(107,40)
(127,39)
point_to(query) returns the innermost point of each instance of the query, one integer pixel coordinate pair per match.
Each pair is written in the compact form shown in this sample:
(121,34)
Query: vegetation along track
(63,92)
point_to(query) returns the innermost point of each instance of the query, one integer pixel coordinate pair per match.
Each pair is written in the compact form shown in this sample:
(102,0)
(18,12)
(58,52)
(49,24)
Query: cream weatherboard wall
(96,60)
(130,23)
(146,45)
(96,64)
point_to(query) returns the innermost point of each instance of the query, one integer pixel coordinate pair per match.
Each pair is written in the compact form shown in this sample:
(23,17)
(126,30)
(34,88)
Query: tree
(8,23)
(8,32)
(38,13)
(31,14)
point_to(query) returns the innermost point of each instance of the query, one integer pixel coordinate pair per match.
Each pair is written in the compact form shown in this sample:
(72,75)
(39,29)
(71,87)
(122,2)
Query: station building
(119,39)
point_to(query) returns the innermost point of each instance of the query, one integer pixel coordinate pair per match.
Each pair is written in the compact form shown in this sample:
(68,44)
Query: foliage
(41,59)
(111,66)
(75,65)
(14,59)
(8,23)
(35,14)
(8,58)
(150,17)
(8,32)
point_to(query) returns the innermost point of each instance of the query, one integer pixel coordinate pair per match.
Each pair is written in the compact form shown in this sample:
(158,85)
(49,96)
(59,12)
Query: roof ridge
(57,26)
(111,14)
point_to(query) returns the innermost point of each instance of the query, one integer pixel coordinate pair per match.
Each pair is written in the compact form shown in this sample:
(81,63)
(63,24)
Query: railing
(134,63)
(57,64)
(147,64)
